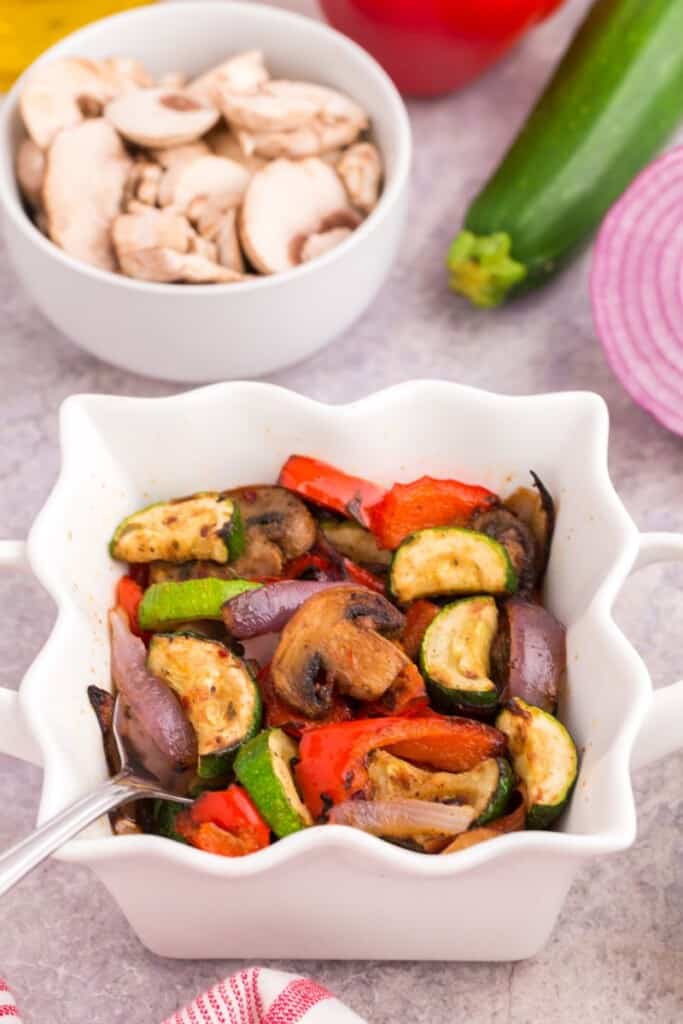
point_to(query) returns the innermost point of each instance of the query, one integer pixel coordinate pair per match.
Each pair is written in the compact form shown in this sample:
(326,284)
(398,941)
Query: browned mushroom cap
(285,203)
(279,527)
(242,72)
(85,175)
(333,640)
(516,537)
(160,117)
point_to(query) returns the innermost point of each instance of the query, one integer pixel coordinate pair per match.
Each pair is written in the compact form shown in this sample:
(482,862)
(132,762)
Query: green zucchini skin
(501,797)
(615,98)
(272,786)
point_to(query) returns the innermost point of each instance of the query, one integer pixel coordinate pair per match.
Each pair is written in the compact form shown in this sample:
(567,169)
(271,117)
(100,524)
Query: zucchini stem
(482,269)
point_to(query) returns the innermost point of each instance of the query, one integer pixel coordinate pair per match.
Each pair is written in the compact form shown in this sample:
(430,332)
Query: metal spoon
(131,783)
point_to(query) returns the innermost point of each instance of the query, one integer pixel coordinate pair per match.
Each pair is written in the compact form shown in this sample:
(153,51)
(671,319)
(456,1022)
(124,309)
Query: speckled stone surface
(617,953)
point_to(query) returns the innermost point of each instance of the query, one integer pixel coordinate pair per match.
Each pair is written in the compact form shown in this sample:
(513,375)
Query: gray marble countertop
(617,952)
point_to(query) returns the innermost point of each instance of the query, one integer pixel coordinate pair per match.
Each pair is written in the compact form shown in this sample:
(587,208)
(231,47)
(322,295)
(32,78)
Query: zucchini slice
(486,788)
(264,767)
(450,560)
(454,655)
(206,525)
(165,813)
(166,603)
(543,755)
(353,541)
(217,693)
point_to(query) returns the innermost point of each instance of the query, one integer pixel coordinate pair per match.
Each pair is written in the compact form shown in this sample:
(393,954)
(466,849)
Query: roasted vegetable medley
(324,651)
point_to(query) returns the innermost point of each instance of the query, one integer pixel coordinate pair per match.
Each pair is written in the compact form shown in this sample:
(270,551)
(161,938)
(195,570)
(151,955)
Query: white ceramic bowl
(334,892)
(213,332)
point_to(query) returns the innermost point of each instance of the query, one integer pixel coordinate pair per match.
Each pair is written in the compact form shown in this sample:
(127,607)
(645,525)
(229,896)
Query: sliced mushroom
(516,537)
(275,519)
(169,266)
(334,640)
(30,170)
(160,117)
(285,202)
(126,73)
(224,142)
(174,80)
(142,184)
(228,251)
(85,175)
(56,94)
(281,106)
(321,242)
(360,168)
(174,156)
(213,178)
(153,229)
(243,72)
(537,509)
(204,247)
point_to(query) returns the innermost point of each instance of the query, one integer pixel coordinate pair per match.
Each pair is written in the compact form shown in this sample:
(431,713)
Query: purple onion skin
(156,733)
(269,609)
(538,654)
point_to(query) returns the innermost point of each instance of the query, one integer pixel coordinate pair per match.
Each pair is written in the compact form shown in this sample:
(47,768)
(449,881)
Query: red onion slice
(403,819)
(269,609)
(637,289)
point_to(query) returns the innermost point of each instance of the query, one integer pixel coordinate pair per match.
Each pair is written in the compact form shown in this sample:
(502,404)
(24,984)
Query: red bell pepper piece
(316,566)
(224,822)
(406,696)
(423,503)
(333,759)
(434,46)
(283,715)
(419,617)
(362,576)
(330,487)
(128,596)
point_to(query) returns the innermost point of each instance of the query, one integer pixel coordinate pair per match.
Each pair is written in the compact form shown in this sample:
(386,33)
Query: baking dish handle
(662,731)
(15,738)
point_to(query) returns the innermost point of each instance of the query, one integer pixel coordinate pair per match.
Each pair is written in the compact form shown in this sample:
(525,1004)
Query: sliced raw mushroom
(30,170)
(211,178)
(85,175)
(169,266)
(334,640)
(126,73)
(360,168)
(277,106)
(224,142)
(243,72)
(228,251)
(56,95)
(143,184)
(318,138)
(321,242)
(284,203)
(204,247)
(173,80)
(160,117)
(153,229)
(174,156)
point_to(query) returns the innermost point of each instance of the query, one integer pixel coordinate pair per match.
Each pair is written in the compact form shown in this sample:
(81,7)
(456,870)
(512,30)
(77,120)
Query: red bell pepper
(128,596)
(419,617)
(423,503)
(406,696)
(357,574)
(333,759)
(434,46)
(311,565)
(330,487)
(224,822)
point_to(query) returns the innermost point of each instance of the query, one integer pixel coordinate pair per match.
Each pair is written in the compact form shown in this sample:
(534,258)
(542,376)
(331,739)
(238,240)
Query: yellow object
(27,27)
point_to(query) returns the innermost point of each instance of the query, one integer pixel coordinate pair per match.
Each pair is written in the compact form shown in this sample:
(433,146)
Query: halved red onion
(637,289)
(403,819)
(536,654)
(155,727)
(268,609)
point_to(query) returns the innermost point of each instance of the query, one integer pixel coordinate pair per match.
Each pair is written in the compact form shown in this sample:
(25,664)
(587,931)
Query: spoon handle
(25,855)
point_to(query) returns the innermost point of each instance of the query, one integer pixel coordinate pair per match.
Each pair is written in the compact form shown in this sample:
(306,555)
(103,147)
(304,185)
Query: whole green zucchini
(614,99)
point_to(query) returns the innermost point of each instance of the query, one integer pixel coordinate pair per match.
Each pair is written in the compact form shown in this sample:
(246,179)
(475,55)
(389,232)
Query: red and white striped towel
(255,996)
